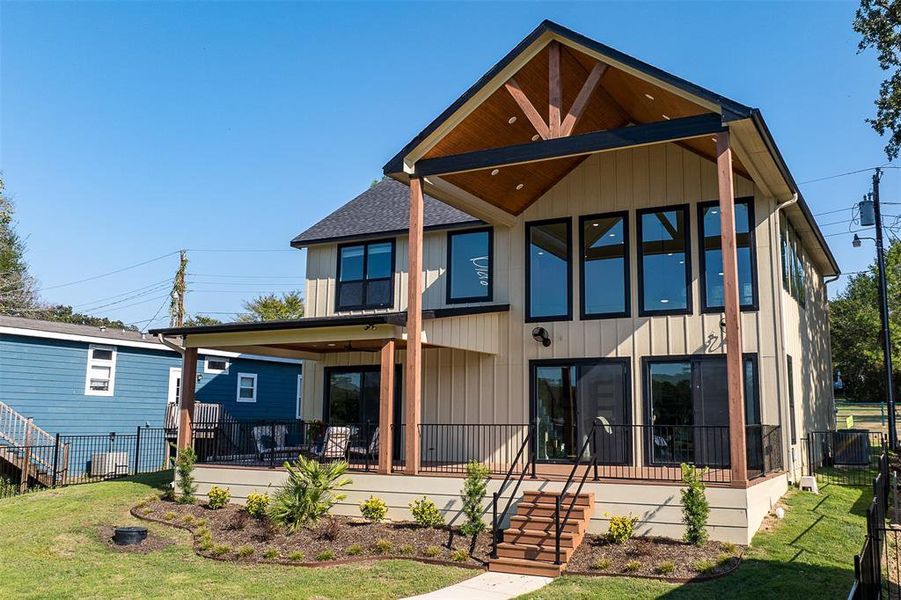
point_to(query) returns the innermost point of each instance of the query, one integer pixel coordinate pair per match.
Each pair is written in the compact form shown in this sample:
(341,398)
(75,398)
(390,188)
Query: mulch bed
(654,557)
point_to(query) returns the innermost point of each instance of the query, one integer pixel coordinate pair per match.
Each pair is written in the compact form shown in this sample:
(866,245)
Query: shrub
(325,555)
(188,519)
(723,559)
(256,505)
(474,488)
(219,497)
(729,548)
(221,550)
(665,568)
(354,550)
(184,475)
(169,516)
(200,522)
(632,566)
(206,544)
(432,551)
(382,546)
(309,493)
(374,509)
(425,513)
(460,555)
(329,529)
(621,528)
(270,554)
(245,551)
(8,489)
(407,550)
(147,511)
(203,532)
(296,556)
(601,564)
(705,566)
(695,508)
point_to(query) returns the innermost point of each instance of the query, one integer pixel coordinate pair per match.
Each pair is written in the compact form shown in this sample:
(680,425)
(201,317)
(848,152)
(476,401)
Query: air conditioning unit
(109,464)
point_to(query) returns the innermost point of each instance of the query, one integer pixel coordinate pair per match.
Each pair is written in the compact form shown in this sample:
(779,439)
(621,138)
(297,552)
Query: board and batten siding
(45,379)
(469,387)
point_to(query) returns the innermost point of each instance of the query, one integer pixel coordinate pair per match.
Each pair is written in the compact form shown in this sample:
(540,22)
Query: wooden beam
(386,406)
(468,203)
(734,359)
(555,90)
(413,377)
(574,145)
(581,101)
(186,401)
(527,107)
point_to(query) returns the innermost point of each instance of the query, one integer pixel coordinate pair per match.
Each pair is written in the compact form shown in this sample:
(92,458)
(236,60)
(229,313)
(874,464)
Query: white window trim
(102,363)
(207,369)
(238,391)
(300,396)
(171,396)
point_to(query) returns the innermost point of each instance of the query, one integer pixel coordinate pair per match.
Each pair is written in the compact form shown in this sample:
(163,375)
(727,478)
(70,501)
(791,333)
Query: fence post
(24,472)
(138,452)
(272,450)
(55,461)
(810,469)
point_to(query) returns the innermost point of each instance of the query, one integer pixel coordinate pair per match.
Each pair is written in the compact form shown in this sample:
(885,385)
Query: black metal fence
(447,448)
(846,457)
(876,568)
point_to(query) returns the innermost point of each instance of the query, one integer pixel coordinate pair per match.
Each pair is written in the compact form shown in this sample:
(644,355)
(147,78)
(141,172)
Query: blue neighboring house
(78,379)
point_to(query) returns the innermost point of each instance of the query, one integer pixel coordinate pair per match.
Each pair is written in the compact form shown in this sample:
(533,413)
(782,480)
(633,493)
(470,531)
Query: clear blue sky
(130,130)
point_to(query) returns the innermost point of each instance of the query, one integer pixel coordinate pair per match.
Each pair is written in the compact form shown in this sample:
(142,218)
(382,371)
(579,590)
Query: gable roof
(383,209)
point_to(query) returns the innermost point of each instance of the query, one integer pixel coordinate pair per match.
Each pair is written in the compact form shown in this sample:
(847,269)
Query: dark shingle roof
(111,333)
(384,208)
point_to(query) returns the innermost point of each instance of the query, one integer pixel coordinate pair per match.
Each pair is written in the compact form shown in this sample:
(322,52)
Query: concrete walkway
(488,586)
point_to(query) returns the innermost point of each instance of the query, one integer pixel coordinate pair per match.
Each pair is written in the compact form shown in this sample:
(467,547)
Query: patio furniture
(271,440)
(334,446)
(371,450)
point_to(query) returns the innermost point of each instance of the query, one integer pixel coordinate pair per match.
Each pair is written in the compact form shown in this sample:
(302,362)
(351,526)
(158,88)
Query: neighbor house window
(365,275)
(548,270)
(604,264)
(469,257)
(712,292)
(215,365)
(664,263)
(247,387)
(101,372)
(794,264)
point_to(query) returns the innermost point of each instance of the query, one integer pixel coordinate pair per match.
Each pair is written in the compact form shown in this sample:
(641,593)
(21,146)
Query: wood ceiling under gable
(618,100)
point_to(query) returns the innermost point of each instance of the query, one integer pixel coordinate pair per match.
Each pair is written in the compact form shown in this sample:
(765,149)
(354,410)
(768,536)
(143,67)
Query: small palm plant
(309,493)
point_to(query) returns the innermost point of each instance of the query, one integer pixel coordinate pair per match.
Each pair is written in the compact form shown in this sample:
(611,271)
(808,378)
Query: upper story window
(548,270)
(712,292)
(794,264)
(469,258)
(100,377)
(365,275)
(664,261)
(604,264)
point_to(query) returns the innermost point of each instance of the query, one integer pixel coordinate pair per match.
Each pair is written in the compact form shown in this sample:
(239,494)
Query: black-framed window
(549,270)
(604,265)
(470,258)
(711,255)
(794,268)
(664,261)
(790,377)
(365,275)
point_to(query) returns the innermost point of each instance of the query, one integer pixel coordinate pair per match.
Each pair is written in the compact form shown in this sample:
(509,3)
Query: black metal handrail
(529,465)
(558,524)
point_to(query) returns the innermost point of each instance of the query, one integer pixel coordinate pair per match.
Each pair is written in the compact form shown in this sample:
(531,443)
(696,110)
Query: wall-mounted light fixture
(540,335)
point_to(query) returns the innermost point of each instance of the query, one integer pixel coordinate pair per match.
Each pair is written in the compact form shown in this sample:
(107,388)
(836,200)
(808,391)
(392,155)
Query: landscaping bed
(235,535)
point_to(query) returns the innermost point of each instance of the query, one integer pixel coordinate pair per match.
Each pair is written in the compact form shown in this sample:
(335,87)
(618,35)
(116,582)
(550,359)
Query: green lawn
(808,554)
(50,547)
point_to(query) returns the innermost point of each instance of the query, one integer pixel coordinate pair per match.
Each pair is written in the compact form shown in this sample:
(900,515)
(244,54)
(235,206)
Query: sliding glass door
(352,399)
(568,396)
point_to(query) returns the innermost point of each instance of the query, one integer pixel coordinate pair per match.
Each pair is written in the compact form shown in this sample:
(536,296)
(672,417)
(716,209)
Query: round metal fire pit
(128,536)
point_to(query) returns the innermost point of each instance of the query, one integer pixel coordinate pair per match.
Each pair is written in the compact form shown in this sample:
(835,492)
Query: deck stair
(25,446)
(529,544)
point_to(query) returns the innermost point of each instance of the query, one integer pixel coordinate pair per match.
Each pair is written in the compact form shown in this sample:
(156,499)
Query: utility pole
(177,304)
(884,316)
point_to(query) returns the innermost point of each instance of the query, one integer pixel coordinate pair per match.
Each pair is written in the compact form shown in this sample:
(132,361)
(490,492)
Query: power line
(134,266)
(837,175)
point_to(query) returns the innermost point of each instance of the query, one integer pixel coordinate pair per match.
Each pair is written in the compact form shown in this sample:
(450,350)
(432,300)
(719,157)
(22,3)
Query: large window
(664,263)
(604,264)
(794,264)
(712,293)
(469,258)
(548,270)
(688,409)
(365,276)
(100,377)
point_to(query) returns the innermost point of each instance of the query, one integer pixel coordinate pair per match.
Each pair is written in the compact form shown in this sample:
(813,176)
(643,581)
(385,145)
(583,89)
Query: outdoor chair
(371,450)
(271,440)
(334,446)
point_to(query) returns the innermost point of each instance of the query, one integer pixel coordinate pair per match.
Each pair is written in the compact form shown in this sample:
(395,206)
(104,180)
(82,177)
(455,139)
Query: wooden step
(531,552)
(531,509)
(547,524)
(545,497)
(538,538)
(525,567)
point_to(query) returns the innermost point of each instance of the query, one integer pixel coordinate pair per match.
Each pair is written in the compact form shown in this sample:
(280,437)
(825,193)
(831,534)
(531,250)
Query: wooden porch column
(414,332)
(386,407)
(186,399)
(734,359)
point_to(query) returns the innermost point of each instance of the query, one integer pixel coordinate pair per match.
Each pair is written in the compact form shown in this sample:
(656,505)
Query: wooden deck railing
(204,414)
(19,431)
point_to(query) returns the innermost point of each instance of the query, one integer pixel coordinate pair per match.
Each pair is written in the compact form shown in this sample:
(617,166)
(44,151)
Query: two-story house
(585,261)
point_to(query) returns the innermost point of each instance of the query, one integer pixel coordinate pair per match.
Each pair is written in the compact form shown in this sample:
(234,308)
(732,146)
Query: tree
(856,331)
(201,321)
(271,307)
(66,314)
(18,296)
(879,24)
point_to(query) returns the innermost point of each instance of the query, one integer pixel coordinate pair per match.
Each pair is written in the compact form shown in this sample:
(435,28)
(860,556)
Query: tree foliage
(200,320)
(271,307)
(856,331)
(879,24)
(18,296)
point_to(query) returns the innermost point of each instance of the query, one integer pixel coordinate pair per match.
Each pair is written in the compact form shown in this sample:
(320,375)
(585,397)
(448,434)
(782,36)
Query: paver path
(488,586)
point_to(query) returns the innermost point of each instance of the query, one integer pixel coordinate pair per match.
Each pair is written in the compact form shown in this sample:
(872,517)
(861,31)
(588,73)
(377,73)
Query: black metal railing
(876,568)
(560,525)
(526,462)
(764,454)
(448,447)
(846,457)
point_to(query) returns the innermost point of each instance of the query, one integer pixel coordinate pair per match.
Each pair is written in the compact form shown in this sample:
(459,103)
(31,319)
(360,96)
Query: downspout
(781,361)
(170,345)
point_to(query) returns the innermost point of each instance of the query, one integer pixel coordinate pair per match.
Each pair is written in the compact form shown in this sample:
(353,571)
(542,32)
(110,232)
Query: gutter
(170,345)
